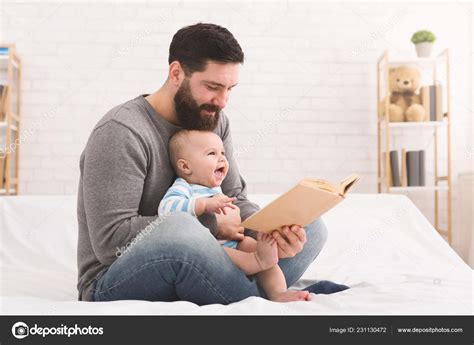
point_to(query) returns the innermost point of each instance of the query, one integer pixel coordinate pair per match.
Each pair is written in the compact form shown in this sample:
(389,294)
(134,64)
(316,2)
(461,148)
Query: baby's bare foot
(291,296)
(267,251)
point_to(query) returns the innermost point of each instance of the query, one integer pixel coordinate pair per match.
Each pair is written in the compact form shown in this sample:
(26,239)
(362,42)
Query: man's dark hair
(193,46)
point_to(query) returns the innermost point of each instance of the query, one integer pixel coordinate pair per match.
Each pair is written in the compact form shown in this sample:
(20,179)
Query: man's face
(201,97)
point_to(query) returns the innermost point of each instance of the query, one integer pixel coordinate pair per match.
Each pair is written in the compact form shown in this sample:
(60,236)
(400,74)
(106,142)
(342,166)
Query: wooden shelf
(3,125)
(443,232)
(4,60)
(387,130)
(420,61)
(3,191)
(417,188)
(428,124)
(417,61)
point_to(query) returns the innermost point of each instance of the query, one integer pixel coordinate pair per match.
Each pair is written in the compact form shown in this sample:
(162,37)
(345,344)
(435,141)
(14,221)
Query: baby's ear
(183,167)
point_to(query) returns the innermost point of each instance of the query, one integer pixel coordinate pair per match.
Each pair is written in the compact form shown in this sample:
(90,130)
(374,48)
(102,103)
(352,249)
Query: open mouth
(220,172)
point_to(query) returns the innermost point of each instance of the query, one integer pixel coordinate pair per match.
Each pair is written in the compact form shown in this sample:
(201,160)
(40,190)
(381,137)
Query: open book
(301,205)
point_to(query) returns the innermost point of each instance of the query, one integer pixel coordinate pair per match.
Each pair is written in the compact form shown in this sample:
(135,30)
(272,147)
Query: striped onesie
(182,196)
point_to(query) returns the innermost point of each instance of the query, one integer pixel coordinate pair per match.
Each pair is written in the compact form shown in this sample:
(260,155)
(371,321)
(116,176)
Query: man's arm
(113,174)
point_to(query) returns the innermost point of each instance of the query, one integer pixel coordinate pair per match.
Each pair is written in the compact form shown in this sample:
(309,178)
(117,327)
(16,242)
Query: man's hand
(228,225)
(290,240)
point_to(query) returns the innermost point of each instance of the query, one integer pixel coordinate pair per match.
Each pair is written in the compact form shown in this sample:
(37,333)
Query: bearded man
(127,251)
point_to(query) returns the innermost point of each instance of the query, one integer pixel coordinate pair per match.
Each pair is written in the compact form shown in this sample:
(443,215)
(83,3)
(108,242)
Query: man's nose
(221,99)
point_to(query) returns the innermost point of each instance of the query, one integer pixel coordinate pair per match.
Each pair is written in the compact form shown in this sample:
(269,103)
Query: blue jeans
(181,260)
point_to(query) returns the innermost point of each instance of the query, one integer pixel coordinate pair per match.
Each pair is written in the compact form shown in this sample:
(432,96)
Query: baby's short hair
(176,145)
(181,140)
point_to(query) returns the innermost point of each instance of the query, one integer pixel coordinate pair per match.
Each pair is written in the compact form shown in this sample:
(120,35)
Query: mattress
(380,245)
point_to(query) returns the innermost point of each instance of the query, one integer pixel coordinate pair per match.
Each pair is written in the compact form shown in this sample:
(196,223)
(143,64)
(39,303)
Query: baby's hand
(218,202)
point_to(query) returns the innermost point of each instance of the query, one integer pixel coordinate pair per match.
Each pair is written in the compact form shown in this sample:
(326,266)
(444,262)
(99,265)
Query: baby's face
(206,159)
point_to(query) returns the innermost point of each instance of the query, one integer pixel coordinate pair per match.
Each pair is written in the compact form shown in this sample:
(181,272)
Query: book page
(321,184)
(348,183)
(342,188)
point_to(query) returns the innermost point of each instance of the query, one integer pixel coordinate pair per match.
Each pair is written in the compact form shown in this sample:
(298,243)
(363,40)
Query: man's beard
(188,111)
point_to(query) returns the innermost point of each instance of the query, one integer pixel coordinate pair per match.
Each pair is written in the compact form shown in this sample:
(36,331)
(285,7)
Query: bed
(380,245)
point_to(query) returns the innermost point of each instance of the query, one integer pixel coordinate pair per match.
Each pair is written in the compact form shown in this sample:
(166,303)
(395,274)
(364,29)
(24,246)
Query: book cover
(404,168)
(439,102)
(3,98)
(425,98)
(421,159)
(394,167)
(384,161)
(302,204)
(2,168)
(413,169)
(432,103)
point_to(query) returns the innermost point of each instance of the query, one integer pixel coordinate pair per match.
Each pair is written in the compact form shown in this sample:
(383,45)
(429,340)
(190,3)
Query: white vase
(423,49)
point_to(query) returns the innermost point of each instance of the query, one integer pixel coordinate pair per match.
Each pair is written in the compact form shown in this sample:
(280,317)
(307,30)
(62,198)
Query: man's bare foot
(267,251)
(291,296)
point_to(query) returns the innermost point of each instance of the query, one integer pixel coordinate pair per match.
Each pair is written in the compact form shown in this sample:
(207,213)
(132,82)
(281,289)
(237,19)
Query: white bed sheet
(380,245)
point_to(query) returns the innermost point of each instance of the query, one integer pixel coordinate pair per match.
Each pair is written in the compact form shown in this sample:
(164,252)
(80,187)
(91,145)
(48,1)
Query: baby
(199,160)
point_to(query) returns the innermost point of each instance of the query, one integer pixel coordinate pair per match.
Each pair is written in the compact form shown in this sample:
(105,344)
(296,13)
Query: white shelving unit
(417,188)
(386,130)
(417,124)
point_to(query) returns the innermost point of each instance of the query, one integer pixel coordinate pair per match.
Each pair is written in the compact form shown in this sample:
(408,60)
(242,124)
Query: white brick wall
(305,104)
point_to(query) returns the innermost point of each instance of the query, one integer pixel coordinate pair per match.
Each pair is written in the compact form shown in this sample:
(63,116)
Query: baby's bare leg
(246,262)
(248,244)
(273,283)
(272,280)
(252,256)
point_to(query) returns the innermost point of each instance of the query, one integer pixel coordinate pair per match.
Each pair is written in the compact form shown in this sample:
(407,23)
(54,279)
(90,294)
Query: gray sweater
(125,172)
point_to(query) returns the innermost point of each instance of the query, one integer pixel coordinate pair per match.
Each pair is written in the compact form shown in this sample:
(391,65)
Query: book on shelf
(395,169)
(416,168)
(302,204)
(413,170)
(384,161)
(2,168)
(3,100)
(421,165)
(404,168)
(425,100)
(432,101)
(439,102)
(410,172)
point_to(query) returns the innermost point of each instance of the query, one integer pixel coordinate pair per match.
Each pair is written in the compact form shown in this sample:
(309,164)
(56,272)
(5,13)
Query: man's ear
(183,166)
(175,73)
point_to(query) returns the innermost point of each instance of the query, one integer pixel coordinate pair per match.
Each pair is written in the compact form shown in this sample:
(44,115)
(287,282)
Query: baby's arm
(214,204)
(177,199)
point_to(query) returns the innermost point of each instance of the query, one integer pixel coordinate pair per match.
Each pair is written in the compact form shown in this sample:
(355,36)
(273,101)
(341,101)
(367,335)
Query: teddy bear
(405,103)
